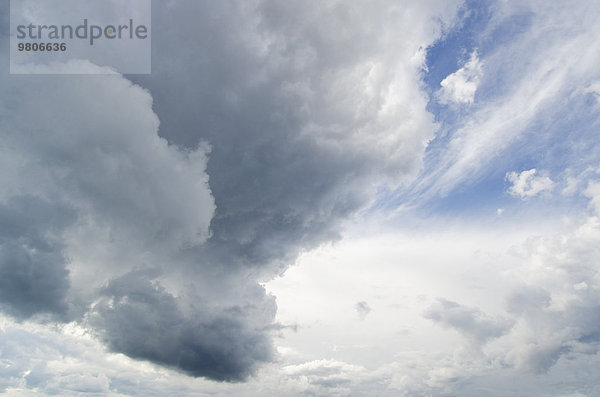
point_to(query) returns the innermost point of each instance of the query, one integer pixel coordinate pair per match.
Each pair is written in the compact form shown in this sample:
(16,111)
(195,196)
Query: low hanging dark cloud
(136,316)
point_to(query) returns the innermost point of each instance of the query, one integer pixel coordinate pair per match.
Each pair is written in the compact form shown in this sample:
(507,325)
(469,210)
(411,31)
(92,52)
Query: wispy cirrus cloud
(525,85)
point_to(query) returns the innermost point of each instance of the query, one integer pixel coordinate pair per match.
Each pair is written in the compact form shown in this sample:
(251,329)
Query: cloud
(593,193)
(88,198)
(460,86)
(160,261)
(136,316)
(533,282)
(471,322)
(303,132)
(551,303)
(64,360)
(528,311)
(33,274)
(101,215)
(593,88)
(526,184)
(557,305)
(362,308)
(329,377)
(527,78)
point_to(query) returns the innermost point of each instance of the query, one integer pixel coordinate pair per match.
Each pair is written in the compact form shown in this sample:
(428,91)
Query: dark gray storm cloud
(136,316)
(278,122)
(277,89)
(307,111)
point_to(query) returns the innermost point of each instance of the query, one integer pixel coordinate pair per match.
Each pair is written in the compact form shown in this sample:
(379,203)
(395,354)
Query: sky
(309,198)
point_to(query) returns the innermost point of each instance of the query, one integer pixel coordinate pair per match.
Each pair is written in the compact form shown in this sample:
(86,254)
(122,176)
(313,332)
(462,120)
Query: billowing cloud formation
(297,112)
(90,192)
(308,110)
(90,199)
(308,107)
(527,184)
(460,86)
(83,173)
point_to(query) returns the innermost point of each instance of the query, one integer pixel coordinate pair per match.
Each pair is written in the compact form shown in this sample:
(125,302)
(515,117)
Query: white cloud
(593,88)
(593,193)
(527,184)
(460,86)
(572,186)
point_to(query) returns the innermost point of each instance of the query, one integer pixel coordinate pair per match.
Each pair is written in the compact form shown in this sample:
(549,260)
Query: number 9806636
(49,47)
